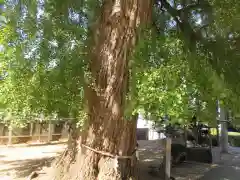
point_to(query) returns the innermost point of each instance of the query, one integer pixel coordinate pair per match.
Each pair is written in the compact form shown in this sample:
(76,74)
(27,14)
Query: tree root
(60,159)
(33,175)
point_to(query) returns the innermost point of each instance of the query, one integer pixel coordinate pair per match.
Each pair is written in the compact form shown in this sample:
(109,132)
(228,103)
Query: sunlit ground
(18,162)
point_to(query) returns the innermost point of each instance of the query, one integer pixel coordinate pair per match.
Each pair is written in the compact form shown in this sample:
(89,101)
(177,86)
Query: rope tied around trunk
(109,154)
(115,157)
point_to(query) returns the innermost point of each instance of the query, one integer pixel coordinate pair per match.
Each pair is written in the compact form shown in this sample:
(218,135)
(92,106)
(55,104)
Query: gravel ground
(16,163)
(228,168)
(151,153)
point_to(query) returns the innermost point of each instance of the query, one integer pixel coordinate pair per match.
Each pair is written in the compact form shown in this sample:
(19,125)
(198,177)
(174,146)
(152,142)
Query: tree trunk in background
(107,131)
(218,137)
(38,131)
(10,130)
(224,131)
(31,130)
(50,131)
(185,136)
(131,142)
(2,129)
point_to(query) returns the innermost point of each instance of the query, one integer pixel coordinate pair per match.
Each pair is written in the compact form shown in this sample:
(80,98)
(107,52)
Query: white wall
(152,134)
(143,123)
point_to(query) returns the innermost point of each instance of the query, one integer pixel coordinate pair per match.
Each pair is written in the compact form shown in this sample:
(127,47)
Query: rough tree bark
(107,131)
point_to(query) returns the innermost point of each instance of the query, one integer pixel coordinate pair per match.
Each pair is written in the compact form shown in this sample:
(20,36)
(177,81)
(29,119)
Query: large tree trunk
(91,165)
(108,136)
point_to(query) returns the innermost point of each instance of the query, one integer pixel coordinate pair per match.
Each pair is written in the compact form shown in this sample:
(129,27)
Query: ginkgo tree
(173,87)
(40,83)
(110,59)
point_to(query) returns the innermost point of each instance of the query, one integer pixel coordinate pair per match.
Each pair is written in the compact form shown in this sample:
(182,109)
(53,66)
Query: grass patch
(233,133)
(234,141)
(233,137)
(214,132)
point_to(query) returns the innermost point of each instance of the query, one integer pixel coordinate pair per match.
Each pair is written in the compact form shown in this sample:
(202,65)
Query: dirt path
(16,163)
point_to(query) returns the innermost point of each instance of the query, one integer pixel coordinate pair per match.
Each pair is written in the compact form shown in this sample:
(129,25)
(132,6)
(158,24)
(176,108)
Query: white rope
(115,157)
(108,154)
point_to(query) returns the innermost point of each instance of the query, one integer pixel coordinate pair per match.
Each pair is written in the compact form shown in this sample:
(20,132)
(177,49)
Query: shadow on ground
(144,172)
(24,168)
(222,173)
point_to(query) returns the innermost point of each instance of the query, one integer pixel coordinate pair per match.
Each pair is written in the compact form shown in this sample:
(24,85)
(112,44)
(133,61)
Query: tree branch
(199,5)
(189,34)
(173,12)
(193,38)
(190,7)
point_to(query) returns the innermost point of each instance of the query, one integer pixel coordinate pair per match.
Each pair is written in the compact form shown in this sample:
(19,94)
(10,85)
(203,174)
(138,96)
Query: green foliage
(172,86)
(181,66)
(43,69)
(227,14)
(206,58)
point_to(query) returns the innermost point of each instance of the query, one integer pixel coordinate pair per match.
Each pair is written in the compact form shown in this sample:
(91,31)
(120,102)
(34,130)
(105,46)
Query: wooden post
(9,135)
(168,158)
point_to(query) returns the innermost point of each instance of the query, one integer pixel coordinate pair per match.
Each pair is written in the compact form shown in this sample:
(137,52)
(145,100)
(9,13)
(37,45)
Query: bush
(233,140)
(199,154)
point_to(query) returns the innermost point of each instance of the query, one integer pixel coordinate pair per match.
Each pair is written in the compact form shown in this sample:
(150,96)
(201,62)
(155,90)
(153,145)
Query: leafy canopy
(185,62)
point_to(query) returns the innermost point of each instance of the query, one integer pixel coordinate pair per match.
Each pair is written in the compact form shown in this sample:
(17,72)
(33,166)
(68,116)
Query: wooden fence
(42,132)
